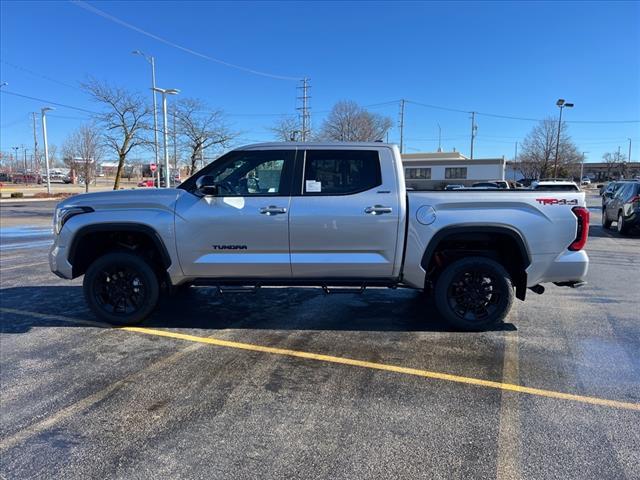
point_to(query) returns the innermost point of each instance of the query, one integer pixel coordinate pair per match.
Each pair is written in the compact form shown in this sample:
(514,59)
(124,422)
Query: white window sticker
(313,186)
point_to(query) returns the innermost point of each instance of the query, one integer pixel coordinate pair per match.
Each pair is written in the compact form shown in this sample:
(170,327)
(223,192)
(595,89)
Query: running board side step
(333,290)
(238,289)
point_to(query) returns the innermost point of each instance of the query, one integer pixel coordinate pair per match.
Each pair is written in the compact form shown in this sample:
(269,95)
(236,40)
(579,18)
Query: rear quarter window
(341,172)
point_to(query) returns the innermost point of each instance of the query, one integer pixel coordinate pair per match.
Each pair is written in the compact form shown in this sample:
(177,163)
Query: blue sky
(505,58)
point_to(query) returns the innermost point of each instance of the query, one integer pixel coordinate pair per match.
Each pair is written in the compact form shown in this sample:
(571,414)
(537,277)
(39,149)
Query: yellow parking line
(352,362)
(390,368)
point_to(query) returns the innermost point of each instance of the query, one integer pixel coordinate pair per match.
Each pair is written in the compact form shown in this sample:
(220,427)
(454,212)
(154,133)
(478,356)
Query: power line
(511,117)
(96,11)
(57,104)
(36,74)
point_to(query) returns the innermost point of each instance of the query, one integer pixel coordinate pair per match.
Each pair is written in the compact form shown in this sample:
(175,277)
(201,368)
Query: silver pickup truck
(325,215)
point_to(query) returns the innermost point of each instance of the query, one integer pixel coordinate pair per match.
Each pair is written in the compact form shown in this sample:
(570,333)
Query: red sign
(153,167)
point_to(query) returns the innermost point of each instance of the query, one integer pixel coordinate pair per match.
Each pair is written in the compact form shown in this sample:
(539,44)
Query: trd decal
(557,201)
(229,247)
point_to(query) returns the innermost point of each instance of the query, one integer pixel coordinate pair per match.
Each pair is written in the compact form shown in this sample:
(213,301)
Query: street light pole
(15,155)
(165,92)
(582,167)
(560,103)
(152,62)
(43,111)
(629,158)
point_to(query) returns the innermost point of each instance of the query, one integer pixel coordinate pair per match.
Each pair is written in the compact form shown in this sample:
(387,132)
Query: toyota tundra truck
(330,215)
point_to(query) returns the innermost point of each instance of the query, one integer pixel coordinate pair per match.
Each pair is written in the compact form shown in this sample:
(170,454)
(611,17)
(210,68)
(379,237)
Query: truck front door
(344,217)
(243,231)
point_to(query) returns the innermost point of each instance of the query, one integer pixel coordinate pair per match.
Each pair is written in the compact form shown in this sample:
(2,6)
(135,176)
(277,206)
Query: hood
(143,198)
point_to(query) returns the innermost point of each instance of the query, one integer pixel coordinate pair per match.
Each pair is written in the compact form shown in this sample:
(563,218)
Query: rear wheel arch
(500,243)
(93,241)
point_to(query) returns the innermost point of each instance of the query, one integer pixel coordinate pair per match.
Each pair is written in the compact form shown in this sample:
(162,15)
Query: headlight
(63,214)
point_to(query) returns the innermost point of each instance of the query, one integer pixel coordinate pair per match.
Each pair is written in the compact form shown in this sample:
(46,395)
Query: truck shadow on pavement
(268,309)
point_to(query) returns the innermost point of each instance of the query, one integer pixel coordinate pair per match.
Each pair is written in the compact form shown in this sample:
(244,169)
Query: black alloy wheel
(474,293)
(121,288)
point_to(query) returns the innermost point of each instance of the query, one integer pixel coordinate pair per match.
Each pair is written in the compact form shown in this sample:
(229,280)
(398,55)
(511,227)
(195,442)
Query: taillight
(582,214)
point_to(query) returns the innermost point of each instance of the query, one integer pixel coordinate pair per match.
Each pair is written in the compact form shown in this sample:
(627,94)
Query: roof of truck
(314,144)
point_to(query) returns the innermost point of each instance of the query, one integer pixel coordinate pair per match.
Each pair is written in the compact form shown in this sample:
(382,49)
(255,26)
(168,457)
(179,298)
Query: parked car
(623,208)
(526,182)
(485,185)
(454,187)
(557,186)
(609,191)
(326,215)
(585,181)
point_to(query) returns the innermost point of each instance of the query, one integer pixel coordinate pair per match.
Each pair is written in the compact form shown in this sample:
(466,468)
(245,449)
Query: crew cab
(319,214)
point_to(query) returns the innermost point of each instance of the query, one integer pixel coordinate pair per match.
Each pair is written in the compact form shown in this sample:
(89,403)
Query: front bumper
(58,261)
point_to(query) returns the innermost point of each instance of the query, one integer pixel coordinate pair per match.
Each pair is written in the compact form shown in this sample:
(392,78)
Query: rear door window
(341,172)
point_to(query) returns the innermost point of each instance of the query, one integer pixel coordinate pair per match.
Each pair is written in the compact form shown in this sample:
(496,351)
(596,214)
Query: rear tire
(622,226)
(474,293)
(606,223)
(121,288)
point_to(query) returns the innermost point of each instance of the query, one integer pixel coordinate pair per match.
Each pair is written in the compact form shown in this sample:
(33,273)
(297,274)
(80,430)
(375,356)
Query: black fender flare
(511,232)
(121,227)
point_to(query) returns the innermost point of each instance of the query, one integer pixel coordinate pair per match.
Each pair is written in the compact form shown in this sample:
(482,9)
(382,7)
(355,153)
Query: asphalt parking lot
(296,384)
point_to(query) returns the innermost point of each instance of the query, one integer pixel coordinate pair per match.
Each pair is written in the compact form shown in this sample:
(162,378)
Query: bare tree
(349,122)
(82,151)
(53,155)
(125,120)
(537,157)
(201,128)
(287,129)
(615,164)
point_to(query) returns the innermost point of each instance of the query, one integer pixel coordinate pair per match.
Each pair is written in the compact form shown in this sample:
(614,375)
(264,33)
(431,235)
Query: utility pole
(152,61)
(305,115)
(515,162)
(474,129)
(629,159)
(401,125)
(35,143)
(439,138)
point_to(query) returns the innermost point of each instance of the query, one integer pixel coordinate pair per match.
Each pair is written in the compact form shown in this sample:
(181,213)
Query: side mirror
(206,185)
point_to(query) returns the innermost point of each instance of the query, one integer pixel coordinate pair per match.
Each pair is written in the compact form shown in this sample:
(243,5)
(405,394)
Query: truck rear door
(344,215)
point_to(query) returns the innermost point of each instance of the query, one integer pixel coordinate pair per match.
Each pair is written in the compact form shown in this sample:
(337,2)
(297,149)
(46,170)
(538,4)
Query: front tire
(121,288)
(474,293)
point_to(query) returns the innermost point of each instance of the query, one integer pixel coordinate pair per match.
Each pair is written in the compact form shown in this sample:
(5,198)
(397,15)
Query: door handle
(378,210)
(272,210)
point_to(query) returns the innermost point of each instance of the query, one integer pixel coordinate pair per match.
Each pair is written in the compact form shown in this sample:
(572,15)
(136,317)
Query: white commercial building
(436,170)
